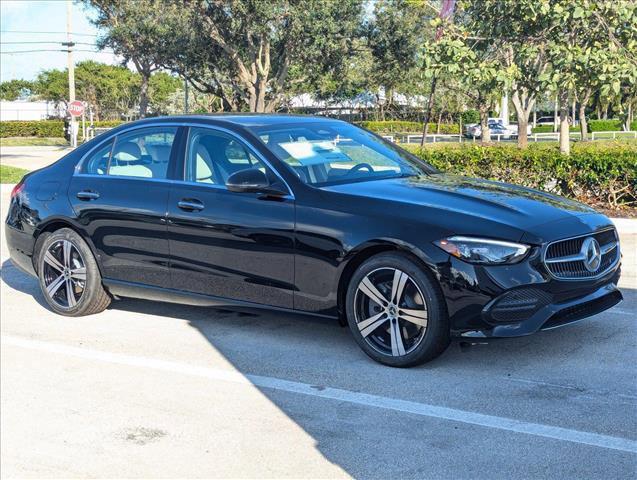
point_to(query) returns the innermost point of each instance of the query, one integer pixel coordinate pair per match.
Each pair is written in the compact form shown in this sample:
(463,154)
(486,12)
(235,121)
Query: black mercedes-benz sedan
(310,215)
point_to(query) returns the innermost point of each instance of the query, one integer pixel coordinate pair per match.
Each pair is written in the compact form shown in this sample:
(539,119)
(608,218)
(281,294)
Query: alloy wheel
(64,274)
(390,311)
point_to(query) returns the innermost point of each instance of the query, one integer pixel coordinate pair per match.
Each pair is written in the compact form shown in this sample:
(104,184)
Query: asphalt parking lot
(146,389)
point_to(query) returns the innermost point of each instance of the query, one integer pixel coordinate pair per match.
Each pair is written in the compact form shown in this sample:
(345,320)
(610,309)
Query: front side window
(213,156)
(325,153)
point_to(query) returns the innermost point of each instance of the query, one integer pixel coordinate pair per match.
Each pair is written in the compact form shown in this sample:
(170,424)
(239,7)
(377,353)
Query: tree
(394,36)
(477,65)
(15,89)
(250,53)
(160,88)
(591,47)
(132,28)
(519,29)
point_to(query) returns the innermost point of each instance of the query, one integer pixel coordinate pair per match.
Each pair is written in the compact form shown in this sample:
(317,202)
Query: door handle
(87,195)
(190,204)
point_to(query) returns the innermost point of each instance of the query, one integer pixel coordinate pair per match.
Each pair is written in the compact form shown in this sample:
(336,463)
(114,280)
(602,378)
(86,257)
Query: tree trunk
(485,133)
(143,95)
(430,102)
(438,123)
(565,145)
(555,114)
(523,137)
(583,125)
(523,105)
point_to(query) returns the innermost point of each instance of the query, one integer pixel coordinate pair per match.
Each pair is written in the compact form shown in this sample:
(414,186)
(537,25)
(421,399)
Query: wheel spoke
(52,261)
(397,345)
(66,248)
(78,273)
(398,285)
(70,294)
(55,285)
(372,323)
(368,288)
(419,317)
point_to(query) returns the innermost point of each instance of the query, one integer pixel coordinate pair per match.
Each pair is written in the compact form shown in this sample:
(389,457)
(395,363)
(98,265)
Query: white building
(25,110)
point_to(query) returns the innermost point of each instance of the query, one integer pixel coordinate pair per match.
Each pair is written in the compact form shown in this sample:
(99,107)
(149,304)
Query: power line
(44,42)
(34,31)
(14,52)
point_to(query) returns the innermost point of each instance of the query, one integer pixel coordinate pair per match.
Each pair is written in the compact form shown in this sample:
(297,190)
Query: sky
(43,16)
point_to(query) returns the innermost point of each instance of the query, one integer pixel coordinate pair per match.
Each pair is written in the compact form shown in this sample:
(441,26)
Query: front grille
(565,259)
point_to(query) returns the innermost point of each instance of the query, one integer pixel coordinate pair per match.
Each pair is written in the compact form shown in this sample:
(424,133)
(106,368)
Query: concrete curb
(625,226)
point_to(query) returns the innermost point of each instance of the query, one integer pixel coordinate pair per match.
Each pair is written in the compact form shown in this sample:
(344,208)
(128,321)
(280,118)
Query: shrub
(44,128)
(549,129)
(399,126)
(613,125)
(36,128)
(600,174)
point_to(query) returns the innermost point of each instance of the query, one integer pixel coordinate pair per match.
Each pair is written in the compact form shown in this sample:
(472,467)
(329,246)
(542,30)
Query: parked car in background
(308,215)
(496,128)
(545,121)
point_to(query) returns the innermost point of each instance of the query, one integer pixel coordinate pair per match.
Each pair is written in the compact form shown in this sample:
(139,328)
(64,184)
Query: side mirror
(253,180)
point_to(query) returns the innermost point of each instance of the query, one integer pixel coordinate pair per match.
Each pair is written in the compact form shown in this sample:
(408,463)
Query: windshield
(326,153)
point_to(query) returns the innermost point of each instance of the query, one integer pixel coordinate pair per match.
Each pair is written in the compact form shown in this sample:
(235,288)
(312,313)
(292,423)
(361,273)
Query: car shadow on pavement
(322,354)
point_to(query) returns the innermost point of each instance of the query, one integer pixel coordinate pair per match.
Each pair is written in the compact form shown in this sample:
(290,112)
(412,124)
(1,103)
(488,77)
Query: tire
(409,331)
(68,274)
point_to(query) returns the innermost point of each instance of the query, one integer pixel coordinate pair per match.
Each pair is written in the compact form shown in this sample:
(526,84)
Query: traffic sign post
(75,109)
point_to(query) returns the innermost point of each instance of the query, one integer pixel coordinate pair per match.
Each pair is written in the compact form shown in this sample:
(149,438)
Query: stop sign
(76,108)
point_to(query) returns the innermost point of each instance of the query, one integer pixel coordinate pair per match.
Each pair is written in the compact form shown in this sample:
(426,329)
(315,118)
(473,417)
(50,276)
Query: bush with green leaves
(612,125)
(399,126)
(36,128)
(549,129)
(600,174)
(44,128)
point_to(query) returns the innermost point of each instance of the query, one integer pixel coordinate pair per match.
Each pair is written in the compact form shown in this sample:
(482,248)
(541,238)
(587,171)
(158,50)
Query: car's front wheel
(69,276)
(396,311)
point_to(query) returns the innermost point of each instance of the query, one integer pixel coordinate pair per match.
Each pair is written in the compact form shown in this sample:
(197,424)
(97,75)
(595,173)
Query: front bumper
(544,314)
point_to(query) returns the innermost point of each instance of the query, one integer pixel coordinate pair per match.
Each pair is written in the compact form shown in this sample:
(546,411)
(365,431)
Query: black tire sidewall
(93,284)
(437,335)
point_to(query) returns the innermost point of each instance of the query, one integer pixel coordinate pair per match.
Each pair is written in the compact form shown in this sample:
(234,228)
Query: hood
(483,202)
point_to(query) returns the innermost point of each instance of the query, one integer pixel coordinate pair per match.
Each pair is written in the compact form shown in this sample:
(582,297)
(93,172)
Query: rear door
(120,196)
(238,246)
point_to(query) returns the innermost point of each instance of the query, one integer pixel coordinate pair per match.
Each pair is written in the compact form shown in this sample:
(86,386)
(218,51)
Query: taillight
(17,189)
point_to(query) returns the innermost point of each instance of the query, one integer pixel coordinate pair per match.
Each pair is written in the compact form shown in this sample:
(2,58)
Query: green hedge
(399,126)
(549,129)
(43,128)
(36,128)
(613,125)
(600,174)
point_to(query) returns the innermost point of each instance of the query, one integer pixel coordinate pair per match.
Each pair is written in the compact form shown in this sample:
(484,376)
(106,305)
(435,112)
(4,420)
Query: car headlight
(483,250)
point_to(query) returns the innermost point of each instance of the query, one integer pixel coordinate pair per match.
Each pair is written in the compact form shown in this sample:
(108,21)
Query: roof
(245,119)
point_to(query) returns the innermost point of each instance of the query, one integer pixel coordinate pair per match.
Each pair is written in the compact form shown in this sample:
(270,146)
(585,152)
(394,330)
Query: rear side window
(141,153)
(97,164)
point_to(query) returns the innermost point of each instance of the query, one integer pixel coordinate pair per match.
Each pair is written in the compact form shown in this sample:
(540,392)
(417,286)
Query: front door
(238,246)
(120,197)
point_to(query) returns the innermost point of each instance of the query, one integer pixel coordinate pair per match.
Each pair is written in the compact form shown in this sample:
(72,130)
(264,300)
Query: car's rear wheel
(396,311)
(69,277)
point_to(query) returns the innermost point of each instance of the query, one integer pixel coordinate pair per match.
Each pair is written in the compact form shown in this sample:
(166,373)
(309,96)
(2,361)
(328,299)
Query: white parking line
(416,408)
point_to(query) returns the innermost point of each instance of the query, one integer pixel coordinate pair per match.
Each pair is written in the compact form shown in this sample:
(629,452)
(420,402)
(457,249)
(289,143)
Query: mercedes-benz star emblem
(592,254)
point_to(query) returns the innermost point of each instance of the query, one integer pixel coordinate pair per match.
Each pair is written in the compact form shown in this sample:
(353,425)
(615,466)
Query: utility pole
(185,95)
(71,67)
